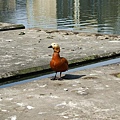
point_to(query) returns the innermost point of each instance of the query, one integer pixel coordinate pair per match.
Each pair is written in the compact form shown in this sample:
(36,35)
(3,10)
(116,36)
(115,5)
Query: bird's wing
(52,64)
(64,60)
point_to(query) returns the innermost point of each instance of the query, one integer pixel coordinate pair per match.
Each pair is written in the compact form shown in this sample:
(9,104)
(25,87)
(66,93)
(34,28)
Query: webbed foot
(60,78)
(54,78)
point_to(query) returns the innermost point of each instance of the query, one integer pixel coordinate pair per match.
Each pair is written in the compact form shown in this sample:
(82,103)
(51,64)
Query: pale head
(55,47)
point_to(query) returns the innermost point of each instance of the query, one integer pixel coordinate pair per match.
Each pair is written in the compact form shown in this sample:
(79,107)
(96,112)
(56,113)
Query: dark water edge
(94,16)
(15,80)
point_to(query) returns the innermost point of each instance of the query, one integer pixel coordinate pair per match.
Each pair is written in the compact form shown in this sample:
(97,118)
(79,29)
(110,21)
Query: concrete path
(25,51)
(92,94)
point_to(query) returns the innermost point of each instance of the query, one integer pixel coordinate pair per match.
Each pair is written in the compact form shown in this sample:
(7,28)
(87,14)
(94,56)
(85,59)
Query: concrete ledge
(46,68)
(26,51)
(7,26)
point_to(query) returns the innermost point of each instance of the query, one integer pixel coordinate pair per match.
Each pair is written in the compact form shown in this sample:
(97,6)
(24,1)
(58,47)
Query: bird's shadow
(71,76)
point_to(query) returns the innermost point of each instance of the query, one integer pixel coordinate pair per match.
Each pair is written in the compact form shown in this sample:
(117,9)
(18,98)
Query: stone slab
(26,50)
(92,94)
(9,26)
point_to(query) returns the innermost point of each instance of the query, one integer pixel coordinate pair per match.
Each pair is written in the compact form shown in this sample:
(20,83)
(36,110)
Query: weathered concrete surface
(92,94)
(8,26)
(25,51)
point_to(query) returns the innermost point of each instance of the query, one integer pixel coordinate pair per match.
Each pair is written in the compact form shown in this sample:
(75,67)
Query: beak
(50,46)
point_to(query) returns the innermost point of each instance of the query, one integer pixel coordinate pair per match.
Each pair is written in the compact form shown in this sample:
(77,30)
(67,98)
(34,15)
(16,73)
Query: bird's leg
(60,76)
(54,77)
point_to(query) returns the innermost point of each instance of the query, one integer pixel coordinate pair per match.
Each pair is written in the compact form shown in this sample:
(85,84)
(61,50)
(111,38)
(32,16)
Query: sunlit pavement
(26,50)
(82,95)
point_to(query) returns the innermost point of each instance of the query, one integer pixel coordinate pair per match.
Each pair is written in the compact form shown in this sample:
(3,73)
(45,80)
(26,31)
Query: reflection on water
(42,13)
(101,16)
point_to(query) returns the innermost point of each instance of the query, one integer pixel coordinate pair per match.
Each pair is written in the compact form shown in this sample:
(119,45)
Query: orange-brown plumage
(57,63)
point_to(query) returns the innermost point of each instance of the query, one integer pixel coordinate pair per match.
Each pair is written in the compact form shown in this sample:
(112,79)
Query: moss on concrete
(118,75)
(73,62)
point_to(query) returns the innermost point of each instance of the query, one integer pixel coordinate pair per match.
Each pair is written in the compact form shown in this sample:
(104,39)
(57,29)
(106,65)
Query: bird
(57,63)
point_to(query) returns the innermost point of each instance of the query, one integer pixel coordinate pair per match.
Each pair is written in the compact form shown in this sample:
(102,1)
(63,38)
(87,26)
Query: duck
(57,63)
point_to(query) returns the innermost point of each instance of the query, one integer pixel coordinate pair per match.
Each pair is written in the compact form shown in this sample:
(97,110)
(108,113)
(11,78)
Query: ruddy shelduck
(57,63)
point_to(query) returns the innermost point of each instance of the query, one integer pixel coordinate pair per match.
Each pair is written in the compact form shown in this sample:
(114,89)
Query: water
(107,62)
(95,16)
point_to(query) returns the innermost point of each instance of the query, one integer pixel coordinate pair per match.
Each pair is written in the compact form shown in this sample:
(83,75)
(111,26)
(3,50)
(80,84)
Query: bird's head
(55,47)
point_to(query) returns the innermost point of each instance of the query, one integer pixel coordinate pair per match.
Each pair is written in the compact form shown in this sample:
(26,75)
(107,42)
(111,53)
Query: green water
(95,16)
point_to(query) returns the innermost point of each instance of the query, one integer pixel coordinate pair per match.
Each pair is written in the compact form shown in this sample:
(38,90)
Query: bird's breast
(59,65)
